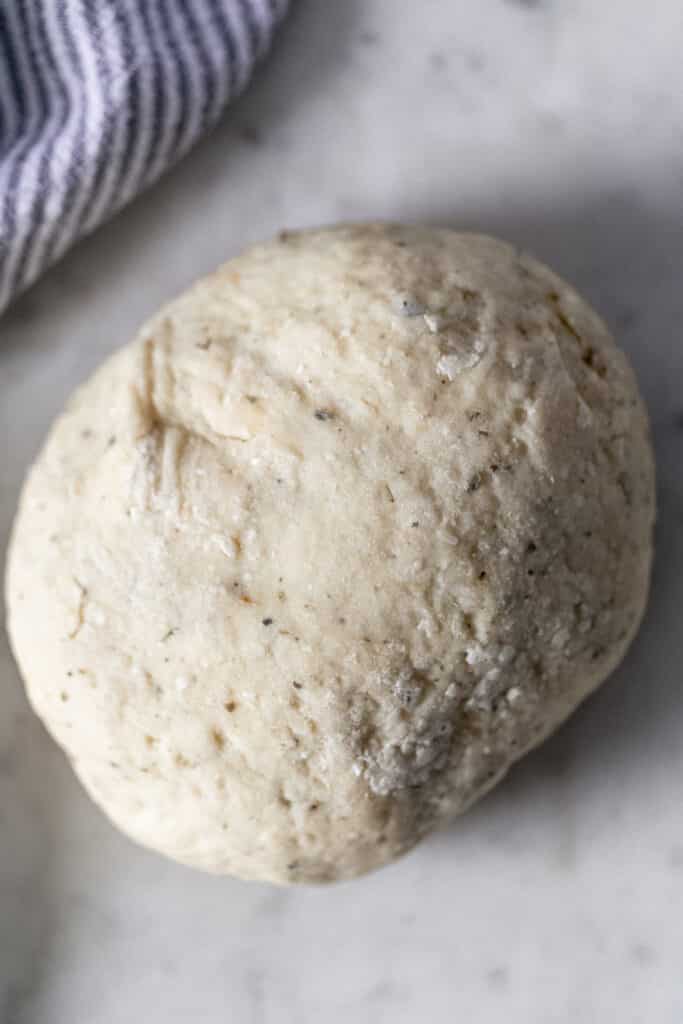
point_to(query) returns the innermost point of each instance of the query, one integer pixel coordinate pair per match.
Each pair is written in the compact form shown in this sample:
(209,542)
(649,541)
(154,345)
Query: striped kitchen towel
(97,98)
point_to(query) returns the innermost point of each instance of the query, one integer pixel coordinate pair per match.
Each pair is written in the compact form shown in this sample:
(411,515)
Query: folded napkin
(97,98)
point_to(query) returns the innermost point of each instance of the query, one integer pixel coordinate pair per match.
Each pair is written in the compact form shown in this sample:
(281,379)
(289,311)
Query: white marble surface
(556,123)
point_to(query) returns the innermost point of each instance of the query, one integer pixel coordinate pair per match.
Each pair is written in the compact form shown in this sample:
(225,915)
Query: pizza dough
(348,528)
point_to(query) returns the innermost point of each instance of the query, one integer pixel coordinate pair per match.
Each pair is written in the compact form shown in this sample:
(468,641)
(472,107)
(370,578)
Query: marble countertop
(558,899)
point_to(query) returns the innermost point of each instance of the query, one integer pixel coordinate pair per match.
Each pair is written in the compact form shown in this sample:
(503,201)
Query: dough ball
(347,529)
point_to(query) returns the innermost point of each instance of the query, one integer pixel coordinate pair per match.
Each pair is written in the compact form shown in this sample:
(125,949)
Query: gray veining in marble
(559,899)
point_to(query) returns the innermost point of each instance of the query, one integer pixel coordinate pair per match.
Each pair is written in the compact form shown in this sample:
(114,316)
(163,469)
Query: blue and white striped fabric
(97,98)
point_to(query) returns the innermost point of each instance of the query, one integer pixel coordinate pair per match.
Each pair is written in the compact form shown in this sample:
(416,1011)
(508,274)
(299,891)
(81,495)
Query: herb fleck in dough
(348,528)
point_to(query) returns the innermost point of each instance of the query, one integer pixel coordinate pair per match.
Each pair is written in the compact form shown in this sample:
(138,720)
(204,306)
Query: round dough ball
(348,528)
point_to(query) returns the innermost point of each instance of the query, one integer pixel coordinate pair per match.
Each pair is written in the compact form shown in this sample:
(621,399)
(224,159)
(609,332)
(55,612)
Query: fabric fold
(97,99)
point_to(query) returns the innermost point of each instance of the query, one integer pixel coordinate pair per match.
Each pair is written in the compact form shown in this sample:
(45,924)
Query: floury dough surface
(350,526)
